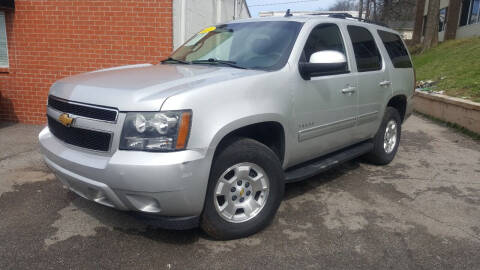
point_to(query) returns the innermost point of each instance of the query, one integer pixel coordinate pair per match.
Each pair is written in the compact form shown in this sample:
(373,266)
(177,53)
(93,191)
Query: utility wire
(282,3)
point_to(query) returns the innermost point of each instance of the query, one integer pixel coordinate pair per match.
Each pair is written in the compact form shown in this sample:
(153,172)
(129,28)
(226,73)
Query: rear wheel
(387,139)
(245,189)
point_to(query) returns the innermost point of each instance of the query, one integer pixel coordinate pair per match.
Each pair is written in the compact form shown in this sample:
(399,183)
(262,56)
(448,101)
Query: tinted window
(366,51)
(396,50)
(465,10)
(323,37)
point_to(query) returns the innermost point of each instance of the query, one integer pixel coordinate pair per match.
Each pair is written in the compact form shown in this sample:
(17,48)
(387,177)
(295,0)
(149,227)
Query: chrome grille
(84,110)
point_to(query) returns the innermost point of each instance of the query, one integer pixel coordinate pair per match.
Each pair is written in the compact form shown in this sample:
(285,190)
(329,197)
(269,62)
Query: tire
(231,165)
(382,154)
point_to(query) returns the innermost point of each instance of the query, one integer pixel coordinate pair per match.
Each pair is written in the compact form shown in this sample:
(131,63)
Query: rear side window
(366,52)
(396,50)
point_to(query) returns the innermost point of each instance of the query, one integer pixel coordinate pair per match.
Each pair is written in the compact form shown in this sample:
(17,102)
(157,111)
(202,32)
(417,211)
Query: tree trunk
(360,8)
(418,28)
(385,11)
(374,10)
(431,31)
(367,10)
(452,19)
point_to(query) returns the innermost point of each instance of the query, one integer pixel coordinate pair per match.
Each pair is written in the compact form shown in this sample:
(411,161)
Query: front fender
(243,122)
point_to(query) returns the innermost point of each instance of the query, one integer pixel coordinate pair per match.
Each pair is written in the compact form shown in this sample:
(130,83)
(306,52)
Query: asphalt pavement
(422,211)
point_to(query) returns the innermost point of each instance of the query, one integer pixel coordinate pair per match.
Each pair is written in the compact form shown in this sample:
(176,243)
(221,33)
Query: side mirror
(323,63)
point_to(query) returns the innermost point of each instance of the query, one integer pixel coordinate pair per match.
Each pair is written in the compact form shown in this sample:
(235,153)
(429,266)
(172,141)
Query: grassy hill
(456,60)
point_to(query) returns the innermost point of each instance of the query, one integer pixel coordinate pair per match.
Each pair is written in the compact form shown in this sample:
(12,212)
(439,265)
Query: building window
(442,22)
(3,41)
(474,12)
(470,12)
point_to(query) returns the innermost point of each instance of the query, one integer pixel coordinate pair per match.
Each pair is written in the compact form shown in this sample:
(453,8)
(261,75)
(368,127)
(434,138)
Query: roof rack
(288,14)
(345,15)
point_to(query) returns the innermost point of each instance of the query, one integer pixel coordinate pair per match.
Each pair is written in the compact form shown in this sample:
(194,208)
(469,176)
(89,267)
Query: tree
(378,10)
(344,5)
(360,8)
(386,8)
(367,10)
(418,27)
(431,29)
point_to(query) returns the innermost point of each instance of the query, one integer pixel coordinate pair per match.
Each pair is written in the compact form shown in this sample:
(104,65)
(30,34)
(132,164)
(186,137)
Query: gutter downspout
(234,9)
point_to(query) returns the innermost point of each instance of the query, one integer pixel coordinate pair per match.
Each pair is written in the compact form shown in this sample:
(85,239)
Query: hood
(141,87)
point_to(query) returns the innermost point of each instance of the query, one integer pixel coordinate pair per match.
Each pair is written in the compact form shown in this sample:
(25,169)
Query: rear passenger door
(401,74)
(372,82)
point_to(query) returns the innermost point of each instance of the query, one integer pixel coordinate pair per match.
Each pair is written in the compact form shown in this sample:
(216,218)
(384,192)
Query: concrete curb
(462,112)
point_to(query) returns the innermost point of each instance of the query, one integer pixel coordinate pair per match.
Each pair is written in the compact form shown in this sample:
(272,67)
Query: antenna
(288,14)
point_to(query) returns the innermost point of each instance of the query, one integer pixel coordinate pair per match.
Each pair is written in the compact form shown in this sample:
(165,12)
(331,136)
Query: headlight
(156,131)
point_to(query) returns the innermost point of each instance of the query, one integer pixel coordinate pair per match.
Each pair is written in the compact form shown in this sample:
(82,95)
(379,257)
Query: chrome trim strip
(367,114)
(367,117)
(316,131)
(87,105)
(320,130)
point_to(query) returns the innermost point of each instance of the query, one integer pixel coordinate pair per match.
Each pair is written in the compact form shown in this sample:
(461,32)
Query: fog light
(144,203)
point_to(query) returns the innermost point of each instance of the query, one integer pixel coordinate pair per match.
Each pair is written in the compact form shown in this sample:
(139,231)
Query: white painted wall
(469,30)
(406,34)
(443,3)
(191,16)
(465,31)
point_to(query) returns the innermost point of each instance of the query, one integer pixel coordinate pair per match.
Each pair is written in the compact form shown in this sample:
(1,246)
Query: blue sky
(275,5)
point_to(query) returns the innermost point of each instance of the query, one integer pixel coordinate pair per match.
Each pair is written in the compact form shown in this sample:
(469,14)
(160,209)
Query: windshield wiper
(170,59)
(216,61)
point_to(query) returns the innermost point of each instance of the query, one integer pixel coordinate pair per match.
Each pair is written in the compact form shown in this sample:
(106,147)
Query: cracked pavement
(419,212)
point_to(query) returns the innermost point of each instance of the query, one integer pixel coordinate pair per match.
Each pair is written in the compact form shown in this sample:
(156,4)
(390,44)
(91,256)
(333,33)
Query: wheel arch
(399,102)
(268,130)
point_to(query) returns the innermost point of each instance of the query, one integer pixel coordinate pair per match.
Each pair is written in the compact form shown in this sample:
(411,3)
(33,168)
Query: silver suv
(211,135)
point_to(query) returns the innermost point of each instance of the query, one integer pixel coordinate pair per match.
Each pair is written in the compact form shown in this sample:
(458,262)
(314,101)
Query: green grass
(456,60)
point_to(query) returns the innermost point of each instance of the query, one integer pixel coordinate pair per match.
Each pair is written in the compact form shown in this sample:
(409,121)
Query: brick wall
(52,39)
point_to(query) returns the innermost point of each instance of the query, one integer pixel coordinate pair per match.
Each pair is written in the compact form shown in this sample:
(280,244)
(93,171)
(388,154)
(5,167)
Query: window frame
(4,19)
(468,10)
(382,60)
(344,43)
(388,53)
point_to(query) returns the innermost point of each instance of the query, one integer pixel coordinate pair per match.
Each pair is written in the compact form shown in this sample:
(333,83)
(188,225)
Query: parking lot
(421,211)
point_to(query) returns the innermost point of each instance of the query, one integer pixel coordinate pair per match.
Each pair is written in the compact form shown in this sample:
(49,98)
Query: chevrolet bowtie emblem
(65,119)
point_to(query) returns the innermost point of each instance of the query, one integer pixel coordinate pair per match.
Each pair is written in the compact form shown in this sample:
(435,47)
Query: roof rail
(345,15)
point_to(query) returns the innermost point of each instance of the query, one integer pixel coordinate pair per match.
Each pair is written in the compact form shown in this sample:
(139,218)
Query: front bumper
(167,184)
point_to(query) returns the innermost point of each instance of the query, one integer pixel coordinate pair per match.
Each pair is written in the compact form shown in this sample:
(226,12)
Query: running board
(318,165)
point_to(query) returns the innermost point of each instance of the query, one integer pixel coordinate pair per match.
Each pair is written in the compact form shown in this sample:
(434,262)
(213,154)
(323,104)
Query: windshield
(253,45)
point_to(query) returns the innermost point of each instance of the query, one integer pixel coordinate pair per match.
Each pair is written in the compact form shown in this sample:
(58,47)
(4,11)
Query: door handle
(348,90)
(385,83)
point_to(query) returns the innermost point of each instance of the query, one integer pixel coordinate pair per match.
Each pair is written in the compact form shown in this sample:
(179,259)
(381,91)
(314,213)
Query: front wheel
(387,139)
(245,189)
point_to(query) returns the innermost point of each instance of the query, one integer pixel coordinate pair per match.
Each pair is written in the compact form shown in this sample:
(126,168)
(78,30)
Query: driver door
(325,105)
